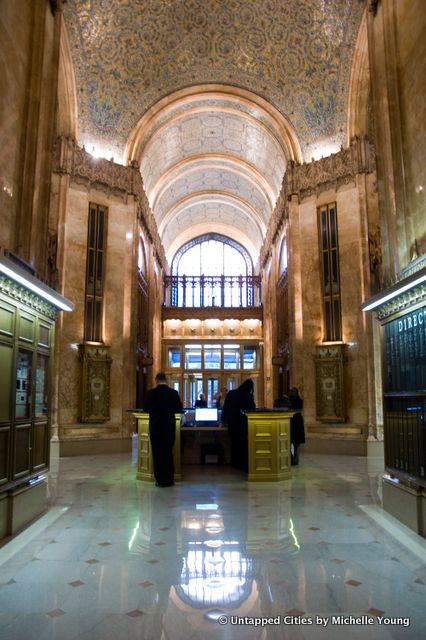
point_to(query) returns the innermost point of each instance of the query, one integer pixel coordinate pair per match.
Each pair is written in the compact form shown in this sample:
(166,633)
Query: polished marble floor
(214,557)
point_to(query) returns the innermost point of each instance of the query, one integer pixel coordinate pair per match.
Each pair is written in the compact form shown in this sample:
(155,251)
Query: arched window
(141,257)
(212,255)
(212,270)
(283,257)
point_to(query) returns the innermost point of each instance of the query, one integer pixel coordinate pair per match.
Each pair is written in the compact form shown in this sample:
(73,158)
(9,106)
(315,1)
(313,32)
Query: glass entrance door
(212,390)
(193,386)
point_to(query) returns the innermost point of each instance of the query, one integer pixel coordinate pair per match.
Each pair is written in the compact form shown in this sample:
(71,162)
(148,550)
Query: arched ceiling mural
(212,98)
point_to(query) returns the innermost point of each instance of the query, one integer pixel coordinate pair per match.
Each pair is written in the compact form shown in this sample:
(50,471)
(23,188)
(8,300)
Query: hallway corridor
(118,559)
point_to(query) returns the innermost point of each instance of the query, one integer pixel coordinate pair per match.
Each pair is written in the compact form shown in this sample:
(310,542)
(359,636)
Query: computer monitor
(206,415)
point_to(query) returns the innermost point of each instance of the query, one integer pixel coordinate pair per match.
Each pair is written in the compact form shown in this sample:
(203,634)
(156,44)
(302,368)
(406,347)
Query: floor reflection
(124,559)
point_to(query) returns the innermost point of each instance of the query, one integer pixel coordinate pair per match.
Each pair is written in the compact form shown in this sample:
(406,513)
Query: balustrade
(212,291)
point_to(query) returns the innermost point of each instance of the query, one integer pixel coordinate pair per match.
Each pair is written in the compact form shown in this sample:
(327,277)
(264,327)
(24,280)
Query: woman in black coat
(297,425)
(236,401)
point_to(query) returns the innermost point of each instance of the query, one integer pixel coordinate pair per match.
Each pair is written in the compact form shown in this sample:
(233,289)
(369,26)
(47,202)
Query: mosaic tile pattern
(129,54)
(221,210)
(212,132)
(223,149)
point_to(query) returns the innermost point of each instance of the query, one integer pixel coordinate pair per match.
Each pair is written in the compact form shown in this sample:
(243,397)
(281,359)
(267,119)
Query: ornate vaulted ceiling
(212,98)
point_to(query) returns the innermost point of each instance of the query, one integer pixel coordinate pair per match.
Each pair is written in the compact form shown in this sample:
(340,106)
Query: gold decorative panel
(95,364)
(330,392)
(269,445)
(145,465)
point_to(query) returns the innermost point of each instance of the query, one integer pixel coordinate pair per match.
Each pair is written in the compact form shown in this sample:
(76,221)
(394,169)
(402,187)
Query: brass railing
(212,291)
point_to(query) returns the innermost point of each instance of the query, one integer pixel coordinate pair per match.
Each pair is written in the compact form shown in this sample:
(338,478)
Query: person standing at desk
(162,403)
(297,425)
(201,402)
(236,401)
(221,397)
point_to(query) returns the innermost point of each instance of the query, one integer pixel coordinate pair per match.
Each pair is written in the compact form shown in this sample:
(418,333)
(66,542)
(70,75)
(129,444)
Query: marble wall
(14,67)
(118,325)
(353,201)
(398,60)
(410,24)
(29,45)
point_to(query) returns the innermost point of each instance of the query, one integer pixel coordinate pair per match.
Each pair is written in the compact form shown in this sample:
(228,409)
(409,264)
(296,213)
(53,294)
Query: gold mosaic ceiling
(212,154)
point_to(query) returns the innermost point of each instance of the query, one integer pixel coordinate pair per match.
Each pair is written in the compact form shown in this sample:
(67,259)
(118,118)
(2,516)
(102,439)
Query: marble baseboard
(93,446)
(405,504)
(375,449)
(20,507)
(335,446)
(4,512)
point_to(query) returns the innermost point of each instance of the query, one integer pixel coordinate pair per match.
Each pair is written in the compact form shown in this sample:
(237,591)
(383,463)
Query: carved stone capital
(312,178)
(110,177)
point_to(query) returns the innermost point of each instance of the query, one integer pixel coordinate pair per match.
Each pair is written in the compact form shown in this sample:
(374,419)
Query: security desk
(268,443)
(201,443)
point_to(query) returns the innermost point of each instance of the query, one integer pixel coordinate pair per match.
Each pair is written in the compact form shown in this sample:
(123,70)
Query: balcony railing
(212,291)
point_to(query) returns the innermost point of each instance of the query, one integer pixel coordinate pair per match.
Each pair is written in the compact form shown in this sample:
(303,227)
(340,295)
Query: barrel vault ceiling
(212,98)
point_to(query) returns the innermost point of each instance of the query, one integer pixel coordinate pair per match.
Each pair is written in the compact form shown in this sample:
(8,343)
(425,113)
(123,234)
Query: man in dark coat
(162,403)
(236,401)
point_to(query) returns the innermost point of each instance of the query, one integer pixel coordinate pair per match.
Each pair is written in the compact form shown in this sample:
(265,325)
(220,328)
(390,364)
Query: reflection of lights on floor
(213,544)
(214,529)
(224,590)
(293,535)
(208,507)
(215,560)
(135,530)
(213,615)
(214,583)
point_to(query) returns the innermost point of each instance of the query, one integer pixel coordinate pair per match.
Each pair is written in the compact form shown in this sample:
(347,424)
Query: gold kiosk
(269,446)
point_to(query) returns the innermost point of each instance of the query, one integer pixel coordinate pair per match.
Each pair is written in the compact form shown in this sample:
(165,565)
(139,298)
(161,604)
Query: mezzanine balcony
(225,296)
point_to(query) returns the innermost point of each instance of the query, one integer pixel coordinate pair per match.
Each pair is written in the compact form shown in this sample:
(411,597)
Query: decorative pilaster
(330,392)
(95,363)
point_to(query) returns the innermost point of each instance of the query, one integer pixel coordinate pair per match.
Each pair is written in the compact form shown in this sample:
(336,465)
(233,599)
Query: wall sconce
(173,324)
(251,325)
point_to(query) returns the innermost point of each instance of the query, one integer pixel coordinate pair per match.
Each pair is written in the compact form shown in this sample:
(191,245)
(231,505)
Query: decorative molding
(375,257)
(407,299)
(95,382)
(24,296)
(110,177)
(403,302)
(417,264)
(206,313)
(329,381)
(313,178)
